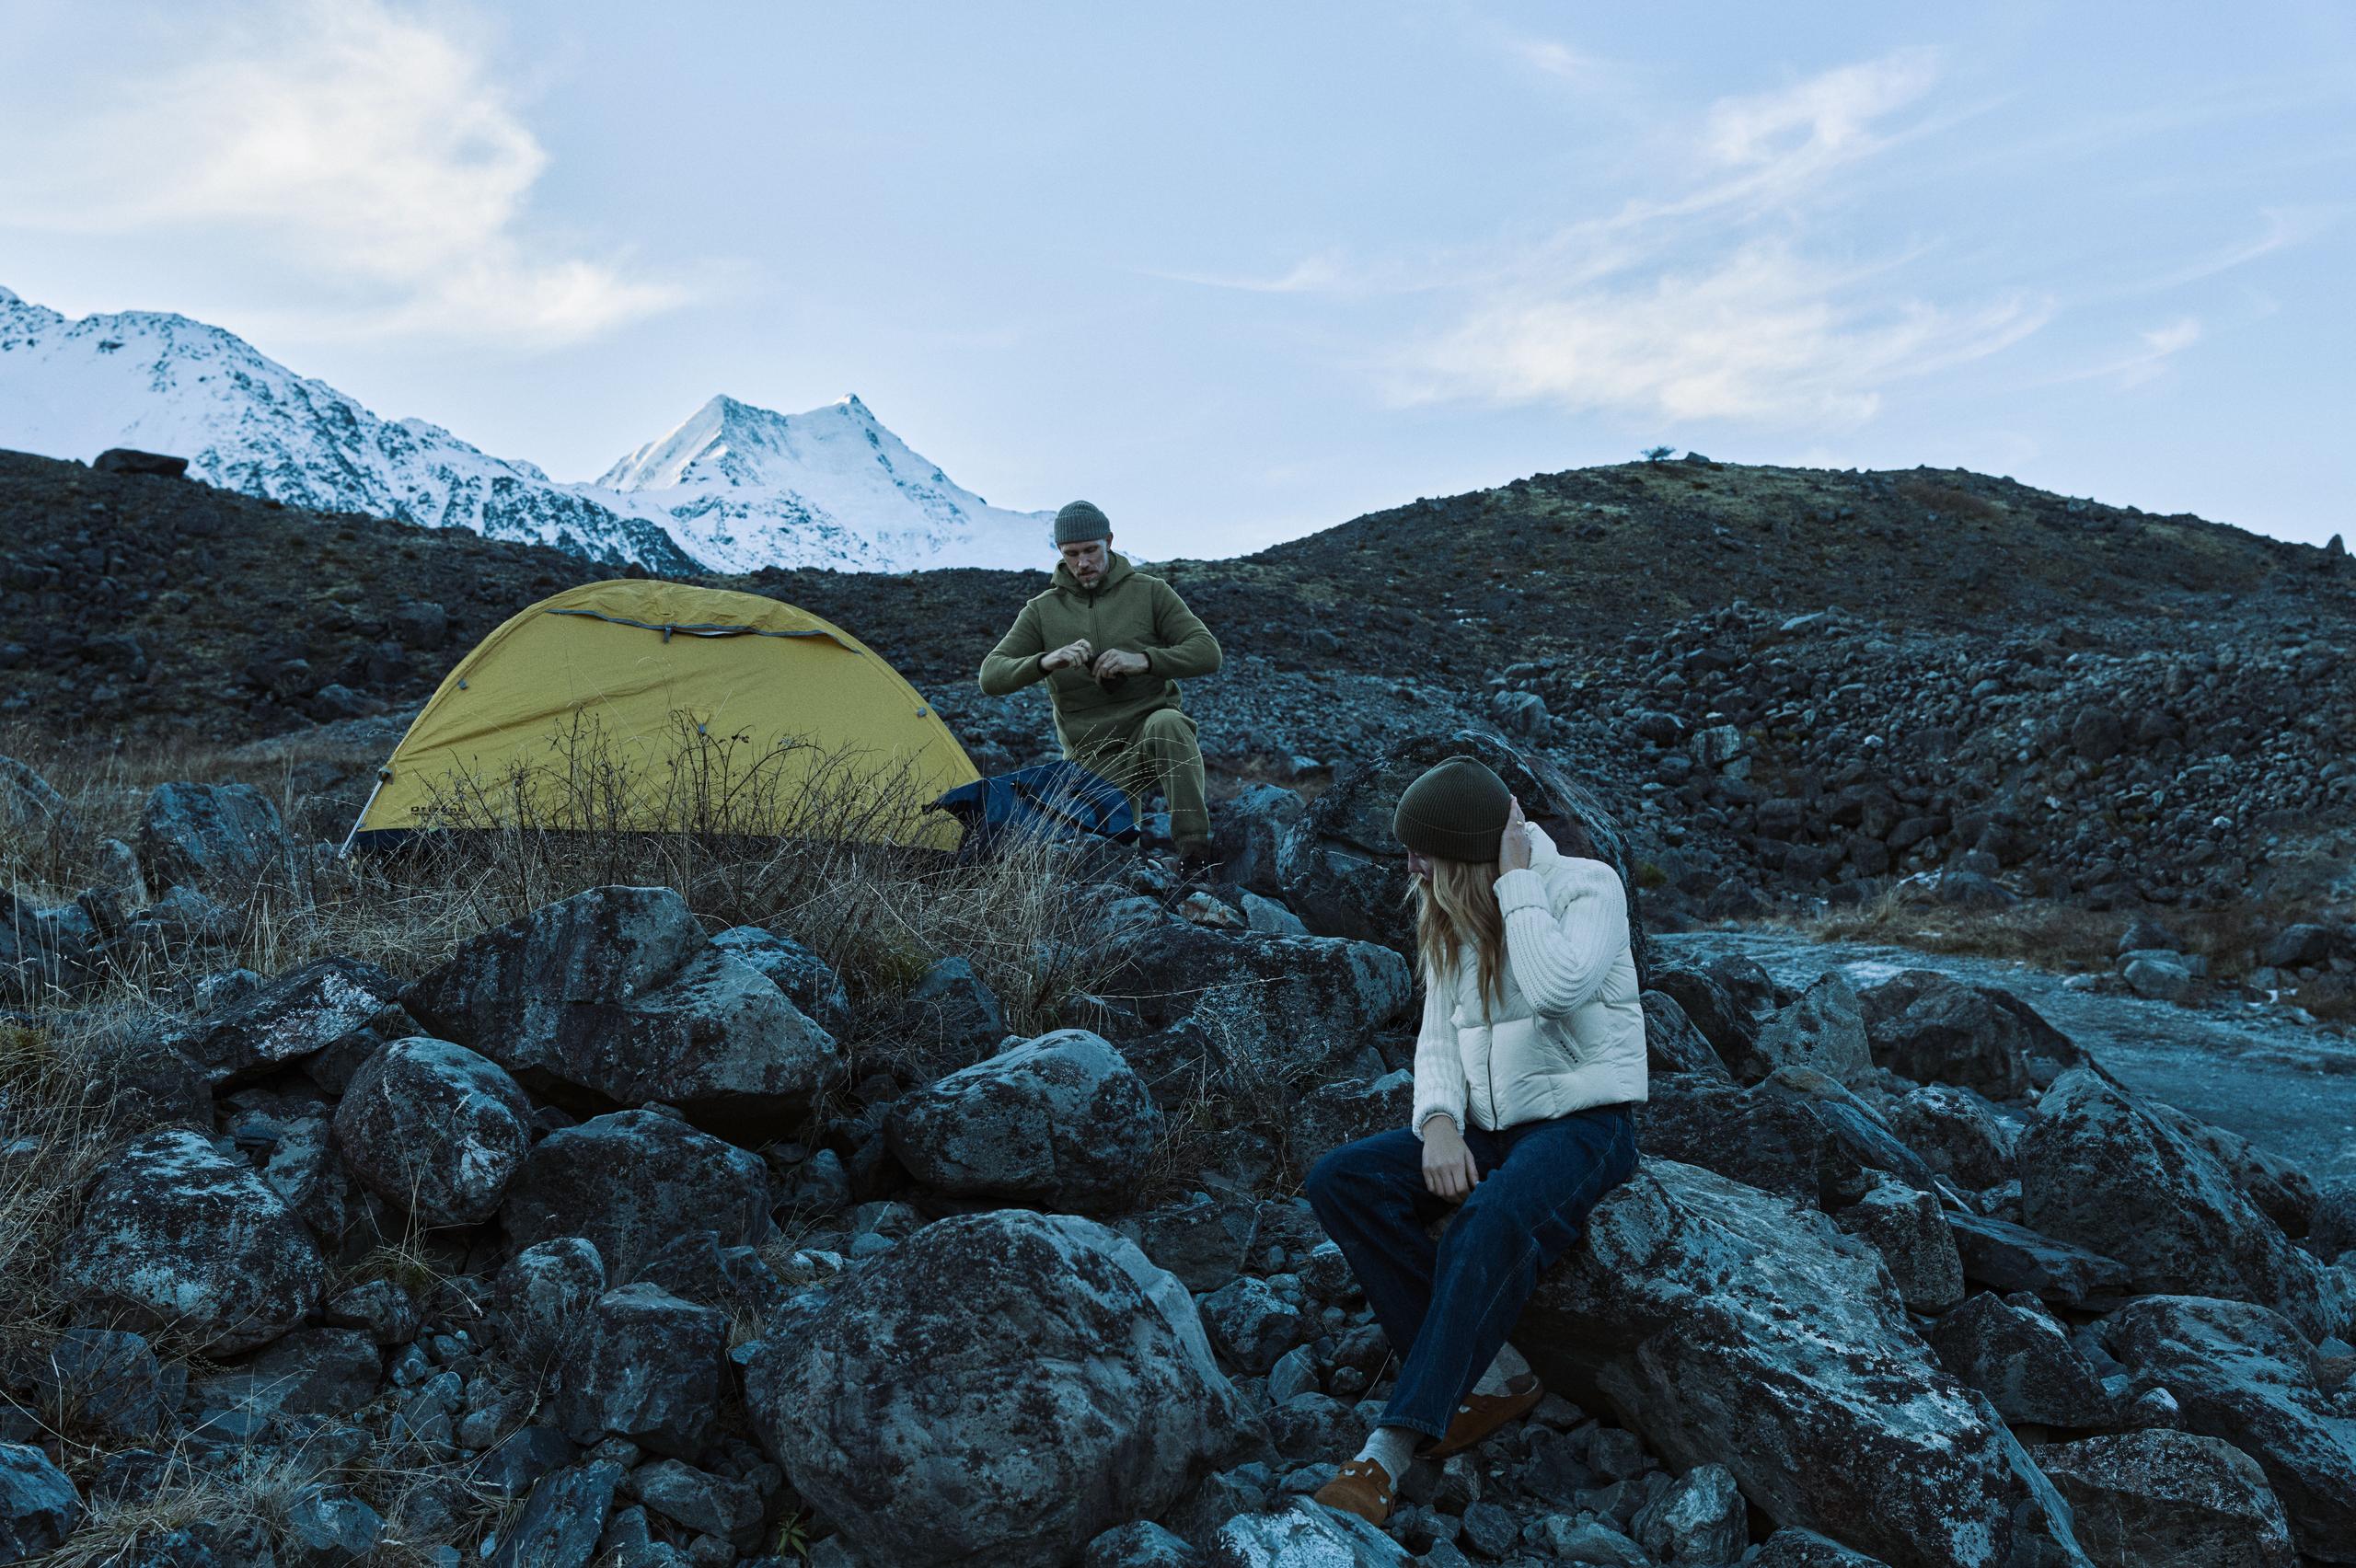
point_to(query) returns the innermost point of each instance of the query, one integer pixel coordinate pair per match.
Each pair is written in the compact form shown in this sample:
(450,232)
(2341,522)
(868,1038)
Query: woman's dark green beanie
(1455,811)
(1081,521)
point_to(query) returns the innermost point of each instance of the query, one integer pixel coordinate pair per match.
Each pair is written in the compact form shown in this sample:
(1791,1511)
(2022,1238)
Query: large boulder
(808,981)
(1772,1141)
(1346,1110)
(1673,1044)
(2004,1256)
(225,841)
(2283,1193)
(1241,1007)
(435,1128)
(1935,1029)
(1302,1536)
(1341,870)
(1729,998)
(649,1367)
(299,1013)
(1822,1029)
(2243,1374)
(630,1182)
(2163,1499)
(181,1240)
(2021,1358)
(38,1506)
(616,997)
(1061,1121)
(2099,1169)
(1250,829)
(1957,1132)
(1000,1388)
(1727,1326)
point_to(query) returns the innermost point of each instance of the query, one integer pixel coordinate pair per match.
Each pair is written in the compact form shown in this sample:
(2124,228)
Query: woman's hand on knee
(1449,1170)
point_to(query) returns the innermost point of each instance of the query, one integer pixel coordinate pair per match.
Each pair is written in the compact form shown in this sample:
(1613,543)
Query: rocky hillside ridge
(732,487)
(2180,743)
(1904,1277)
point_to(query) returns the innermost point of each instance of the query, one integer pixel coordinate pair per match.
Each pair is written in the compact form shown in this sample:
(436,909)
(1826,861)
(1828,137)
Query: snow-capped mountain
(745,488)
(734,489)
(245,423)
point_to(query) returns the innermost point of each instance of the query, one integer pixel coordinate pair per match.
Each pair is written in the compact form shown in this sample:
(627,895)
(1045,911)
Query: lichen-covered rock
(1973,1036)
(2004,1256)
(109,1378)
(1957,1131)
(616,997)
(1673,1044)
(31,811)
(1911,1232)
(1140,1543)
(808,981)
(998,1388)
(2099,1170)
(1727,1326)
(2283,1193)
(630,1182)
(181,1241)
(545,1291)
(1303,1536)
(1728,997)
(1200,1240)
(1823,1029)
(435,1128)
(2018,1355)
(1251,1322)
(1806,1549)
(647,1366)
(950,1016)
(1775,1142)
(225,841)
(1700,1522)
(1346,1111)
(300,1013)
(38,1506)
(2243,1374)
(2160,1499)
(1061,1121)
(561,1520)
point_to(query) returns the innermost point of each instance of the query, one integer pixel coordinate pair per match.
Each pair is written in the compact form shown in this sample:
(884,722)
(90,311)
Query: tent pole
(345,852)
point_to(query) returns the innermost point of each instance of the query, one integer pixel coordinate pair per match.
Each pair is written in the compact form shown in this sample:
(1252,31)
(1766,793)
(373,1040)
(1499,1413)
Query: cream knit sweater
(1570,1032)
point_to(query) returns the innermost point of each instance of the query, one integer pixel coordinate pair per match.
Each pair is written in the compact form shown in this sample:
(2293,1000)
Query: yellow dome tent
(641,705)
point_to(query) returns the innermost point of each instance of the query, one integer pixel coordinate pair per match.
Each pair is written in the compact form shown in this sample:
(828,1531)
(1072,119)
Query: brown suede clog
(1360,1487)
(1480,1414)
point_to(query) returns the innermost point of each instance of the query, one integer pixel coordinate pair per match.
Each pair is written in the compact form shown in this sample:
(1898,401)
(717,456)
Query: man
(1112,644)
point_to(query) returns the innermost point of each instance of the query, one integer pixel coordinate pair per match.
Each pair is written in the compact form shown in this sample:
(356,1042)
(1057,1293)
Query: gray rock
(2169,1500)
(225,841)
(1824,1029)
(434,1128)
(1728,997)
(1672,1044)
(1865,1139)
(710,1504)
(1200,1240)
(2243,1374)
(301,1011)
(1345,1109)
(39,1507)
(616,997)
(180,1240)
(1806,1548)
(1267,916)
(1140,1543)
(2148,974)
(1700,1522)
(2283,1191)
(1566,1540)
(1294,1373)
(325,1525)
(544,1292)
(2099,1170)
(1303,1536)
(1775,1142)
(1911,1232)
(1489,1531)
(2023,1360)
(1957,1131)
(314,1372)
(1251,1322)
(109,1378)
(647,1366)
(2004,1256)
(950,1016)
(1314,1428)
(630,1182)
(808,981)
(2301,943)
(1025,1382)
(1061,1121)
(382,1309)
(561,1520)
(520,1459)
(1248,830)
(305,1170)
(1946,1032)
(1700,1307)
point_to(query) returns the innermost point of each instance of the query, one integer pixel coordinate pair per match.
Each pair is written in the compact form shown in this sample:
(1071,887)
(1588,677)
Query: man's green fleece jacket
(1126,609)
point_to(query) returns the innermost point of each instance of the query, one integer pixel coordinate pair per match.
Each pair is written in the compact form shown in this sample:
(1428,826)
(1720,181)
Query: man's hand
(1513,853)
(1076,652)
(1449,1170)
(1119,662)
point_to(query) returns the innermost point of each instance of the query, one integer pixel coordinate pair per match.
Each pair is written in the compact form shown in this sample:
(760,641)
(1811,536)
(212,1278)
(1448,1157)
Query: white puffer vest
(1570,1032)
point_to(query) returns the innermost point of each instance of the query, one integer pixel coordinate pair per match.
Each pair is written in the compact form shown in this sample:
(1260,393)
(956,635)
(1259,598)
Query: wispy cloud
(381,156)
(2146,359)
(2280,229)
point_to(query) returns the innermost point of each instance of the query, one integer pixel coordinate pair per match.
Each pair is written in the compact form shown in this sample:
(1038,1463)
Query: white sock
(1393,1447)
(1507,1366)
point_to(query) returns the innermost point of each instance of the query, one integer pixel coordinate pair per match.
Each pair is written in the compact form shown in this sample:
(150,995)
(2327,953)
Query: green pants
(1158,753)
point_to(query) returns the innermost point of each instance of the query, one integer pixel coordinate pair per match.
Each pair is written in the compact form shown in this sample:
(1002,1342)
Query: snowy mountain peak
(734,488)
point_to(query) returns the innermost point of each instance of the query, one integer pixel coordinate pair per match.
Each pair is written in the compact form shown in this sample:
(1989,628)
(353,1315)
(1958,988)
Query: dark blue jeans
(1449,1306)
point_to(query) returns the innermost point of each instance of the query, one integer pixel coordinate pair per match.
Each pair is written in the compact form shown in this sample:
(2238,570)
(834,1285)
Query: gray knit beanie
(1455,811)
(1081,521)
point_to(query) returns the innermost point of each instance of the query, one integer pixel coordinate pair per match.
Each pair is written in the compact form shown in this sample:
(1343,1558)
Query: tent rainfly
(672,706)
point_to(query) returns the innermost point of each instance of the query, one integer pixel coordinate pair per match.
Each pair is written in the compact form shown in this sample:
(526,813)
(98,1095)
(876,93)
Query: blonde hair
(1456,909)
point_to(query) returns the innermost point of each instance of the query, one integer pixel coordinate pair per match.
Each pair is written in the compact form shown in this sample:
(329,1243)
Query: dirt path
(2288,1087)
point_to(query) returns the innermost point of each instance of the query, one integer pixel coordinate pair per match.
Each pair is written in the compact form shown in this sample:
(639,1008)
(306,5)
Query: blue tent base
(1057,802)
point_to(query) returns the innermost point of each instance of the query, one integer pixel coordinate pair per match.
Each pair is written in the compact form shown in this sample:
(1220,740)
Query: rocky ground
(605,1236)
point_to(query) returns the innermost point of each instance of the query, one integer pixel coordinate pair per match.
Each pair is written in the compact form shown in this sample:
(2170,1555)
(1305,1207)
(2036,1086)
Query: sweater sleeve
(1439,1067)
(1188,649)
(1014,663)
(1561,963)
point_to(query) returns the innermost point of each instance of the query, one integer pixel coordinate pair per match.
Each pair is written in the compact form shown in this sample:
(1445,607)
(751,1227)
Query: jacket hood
(1116,570)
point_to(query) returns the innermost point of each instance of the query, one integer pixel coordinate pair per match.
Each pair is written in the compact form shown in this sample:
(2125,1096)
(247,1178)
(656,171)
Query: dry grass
(2052,936)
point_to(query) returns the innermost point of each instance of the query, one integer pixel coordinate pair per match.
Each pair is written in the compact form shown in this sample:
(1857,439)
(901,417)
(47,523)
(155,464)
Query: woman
(1530,1059)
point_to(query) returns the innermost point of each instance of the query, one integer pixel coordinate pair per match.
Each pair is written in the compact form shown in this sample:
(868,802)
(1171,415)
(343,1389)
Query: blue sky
(1240,272)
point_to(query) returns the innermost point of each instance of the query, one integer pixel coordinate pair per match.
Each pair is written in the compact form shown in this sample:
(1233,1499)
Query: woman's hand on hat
(1513,850)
